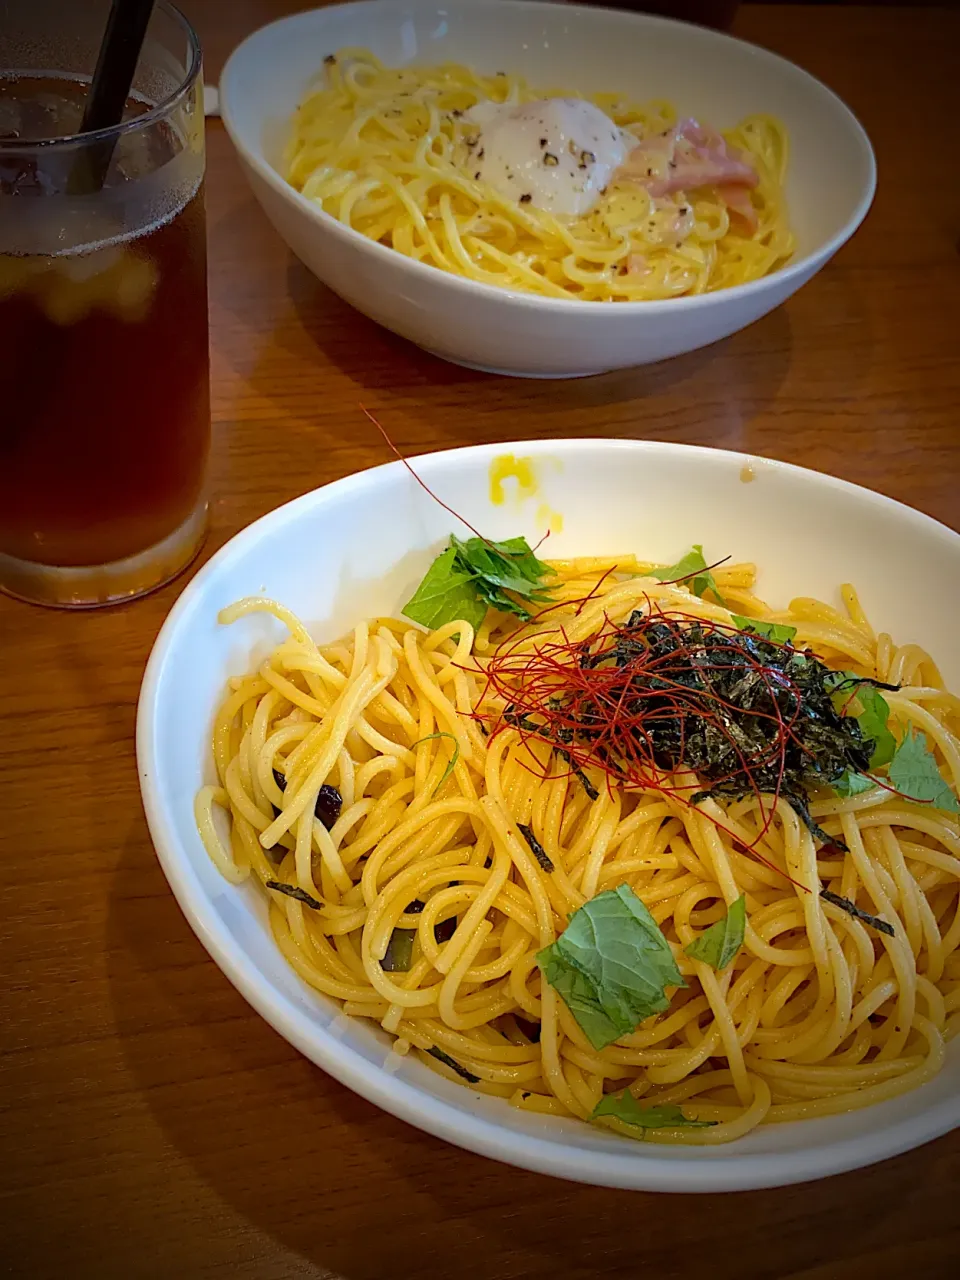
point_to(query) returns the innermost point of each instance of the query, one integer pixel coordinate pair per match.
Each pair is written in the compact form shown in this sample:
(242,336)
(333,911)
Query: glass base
(90,587)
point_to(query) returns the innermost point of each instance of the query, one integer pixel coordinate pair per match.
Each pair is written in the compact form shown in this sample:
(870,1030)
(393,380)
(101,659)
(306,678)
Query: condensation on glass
(104,404)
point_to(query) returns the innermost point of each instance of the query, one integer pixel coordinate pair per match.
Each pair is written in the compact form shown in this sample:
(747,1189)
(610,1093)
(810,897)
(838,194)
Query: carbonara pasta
(406,157)
(426,855)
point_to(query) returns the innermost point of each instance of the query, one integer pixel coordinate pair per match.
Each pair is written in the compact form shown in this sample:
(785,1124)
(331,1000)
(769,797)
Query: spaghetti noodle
(387,151)
(468,853)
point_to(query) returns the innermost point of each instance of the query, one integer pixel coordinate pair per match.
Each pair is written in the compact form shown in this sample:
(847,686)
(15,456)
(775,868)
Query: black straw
(112,81)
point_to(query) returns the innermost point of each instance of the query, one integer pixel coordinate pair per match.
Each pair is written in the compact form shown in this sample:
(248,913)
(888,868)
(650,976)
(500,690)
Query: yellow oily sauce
(508,467)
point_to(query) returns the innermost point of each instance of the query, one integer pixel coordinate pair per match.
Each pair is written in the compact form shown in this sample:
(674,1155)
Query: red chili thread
(553,699)
(695,573)
(649,782)
(423,485)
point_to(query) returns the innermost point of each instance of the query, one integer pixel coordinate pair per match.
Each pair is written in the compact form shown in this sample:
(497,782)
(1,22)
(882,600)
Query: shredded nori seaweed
(717,702)
(447,1061)
(852,909)
(529,726)
(294,891)
(578,773)
(536,848)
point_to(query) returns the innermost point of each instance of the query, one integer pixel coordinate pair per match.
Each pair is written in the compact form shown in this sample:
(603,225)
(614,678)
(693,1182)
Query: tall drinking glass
(104,410)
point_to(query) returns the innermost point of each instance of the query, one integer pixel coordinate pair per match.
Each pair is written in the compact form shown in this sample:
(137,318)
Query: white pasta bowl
(356,549)
(829,187)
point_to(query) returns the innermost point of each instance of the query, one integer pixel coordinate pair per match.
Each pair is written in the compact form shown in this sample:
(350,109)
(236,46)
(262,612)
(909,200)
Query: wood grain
(153,1125)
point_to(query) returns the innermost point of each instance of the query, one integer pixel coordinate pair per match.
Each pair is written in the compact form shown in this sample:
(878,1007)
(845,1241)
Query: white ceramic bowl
(356,548)
(829,188)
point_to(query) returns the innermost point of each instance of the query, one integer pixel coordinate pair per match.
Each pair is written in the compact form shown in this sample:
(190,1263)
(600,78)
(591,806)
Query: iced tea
(104,409)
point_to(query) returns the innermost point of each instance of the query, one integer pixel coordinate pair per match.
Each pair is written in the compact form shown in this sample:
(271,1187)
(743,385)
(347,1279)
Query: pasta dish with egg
(597,199)
(610,839)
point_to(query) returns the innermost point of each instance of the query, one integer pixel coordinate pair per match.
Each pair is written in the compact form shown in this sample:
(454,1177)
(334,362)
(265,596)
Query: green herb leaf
(451,763)
(852,784)
(626,1108)
(511,565)
(854,697)
(399,951)
(915,774)
(777,632)
(873,724)
(692,566)
(611,965)
(580,996)
(720,943)
(446,594)
(501,567)
(472,576)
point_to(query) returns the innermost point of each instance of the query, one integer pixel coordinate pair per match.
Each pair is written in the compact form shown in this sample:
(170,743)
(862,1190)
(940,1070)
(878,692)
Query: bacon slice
(740,207)
(687,156)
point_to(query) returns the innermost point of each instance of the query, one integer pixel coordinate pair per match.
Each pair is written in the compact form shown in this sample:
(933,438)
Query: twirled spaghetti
(817,1014)
(387,152)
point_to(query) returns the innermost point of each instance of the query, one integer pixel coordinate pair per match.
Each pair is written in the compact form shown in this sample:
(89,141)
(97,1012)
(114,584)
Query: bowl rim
(797,266)
(629,1168)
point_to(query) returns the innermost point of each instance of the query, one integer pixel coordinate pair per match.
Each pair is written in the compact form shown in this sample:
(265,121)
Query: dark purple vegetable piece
(328,806)
(530,1029)
(445,930)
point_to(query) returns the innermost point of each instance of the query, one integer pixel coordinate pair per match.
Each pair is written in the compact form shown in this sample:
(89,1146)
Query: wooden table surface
(152,1124)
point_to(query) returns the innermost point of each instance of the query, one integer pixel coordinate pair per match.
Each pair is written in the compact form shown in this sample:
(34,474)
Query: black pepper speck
(526,198)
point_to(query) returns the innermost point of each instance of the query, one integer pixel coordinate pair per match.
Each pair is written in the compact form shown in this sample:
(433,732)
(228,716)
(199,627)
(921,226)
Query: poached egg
(557,154)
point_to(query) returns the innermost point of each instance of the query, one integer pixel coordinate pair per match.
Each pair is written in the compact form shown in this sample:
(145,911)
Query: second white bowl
(830,183)
(357,549)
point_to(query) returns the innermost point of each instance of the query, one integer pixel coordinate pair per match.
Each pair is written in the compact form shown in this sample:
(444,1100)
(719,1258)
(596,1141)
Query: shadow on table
(748,367)
(366,1197)
(309,355)
(292,343)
